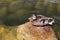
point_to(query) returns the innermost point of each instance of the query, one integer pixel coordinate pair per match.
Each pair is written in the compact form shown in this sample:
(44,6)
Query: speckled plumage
(28,32)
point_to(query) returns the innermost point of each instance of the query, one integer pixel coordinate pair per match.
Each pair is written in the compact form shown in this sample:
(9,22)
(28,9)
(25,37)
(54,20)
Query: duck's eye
(50,20)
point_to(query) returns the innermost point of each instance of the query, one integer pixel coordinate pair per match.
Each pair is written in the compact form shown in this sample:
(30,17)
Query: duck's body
(29,32)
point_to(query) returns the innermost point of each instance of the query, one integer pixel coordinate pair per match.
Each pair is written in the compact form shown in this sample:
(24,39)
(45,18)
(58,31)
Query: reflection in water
(57,17)
(54,1)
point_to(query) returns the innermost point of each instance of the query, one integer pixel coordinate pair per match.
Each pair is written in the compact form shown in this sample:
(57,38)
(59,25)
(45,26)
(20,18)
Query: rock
(28,32)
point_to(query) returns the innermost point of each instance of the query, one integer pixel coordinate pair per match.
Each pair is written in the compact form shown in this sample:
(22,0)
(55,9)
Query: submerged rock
(28,32)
